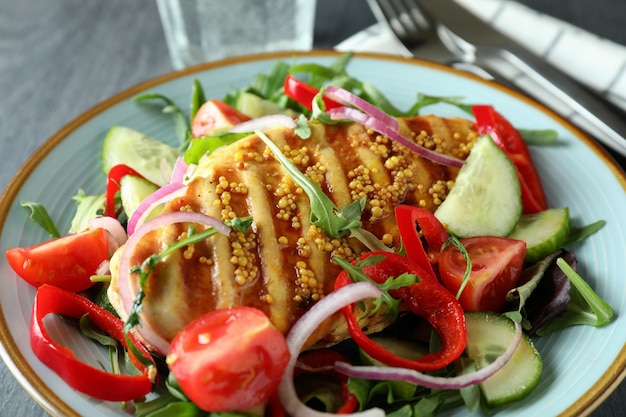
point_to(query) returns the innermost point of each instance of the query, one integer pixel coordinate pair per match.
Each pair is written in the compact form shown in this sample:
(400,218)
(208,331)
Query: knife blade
(473,40)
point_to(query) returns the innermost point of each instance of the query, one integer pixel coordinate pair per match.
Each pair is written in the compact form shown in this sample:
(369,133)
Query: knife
(474,41)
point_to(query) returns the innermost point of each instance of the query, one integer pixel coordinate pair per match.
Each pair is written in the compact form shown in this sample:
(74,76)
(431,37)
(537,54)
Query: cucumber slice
(486,197)
(488,335)
(543,232)
(133,190)
(142,153)
(255,106)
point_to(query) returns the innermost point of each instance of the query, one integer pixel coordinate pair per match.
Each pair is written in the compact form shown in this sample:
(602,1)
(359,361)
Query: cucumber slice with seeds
(486,197)
(543,232)
(142,153)
(133,190)
(488,336)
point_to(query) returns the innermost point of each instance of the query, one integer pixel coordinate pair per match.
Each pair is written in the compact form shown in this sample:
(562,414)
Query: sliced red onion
(345,96)
(430,381)
(179,172)
(301,331)
(162,195)
(358,116)
(264,123)
(103,268)
(126,295)
(117,234)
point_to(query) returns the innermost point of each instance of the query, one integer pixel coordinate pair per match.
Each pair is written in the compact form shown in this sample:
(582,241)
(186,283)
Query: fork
(421,31)
(415,31)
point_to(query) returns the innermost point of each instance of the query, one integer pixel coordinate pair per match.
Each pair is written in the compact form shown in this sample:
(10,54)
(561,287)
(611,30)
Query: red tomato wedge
(489,121)
(497,263)
(215,115)
(67,262)
(229,359)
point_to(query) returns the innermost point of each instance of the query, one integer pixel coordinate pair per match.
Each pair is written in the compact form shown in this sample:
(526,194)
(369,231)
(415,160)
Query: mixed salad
(472,285)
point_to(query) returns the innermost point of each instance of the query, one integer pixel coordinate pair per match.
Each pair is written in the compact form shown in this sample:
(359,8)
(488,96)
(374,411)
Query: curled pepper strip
(409,219)
(92,381)
(305,94)
(426,298)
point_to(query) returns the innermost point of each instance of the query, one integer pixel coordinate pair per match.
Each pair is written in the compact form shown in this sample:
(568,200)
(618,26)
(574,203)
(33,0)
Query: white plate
(581,365)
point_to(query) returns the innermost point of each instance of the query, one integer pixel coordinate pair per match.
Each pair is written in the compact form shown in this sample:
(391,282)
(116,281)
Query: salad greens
(402,399)
(40,216)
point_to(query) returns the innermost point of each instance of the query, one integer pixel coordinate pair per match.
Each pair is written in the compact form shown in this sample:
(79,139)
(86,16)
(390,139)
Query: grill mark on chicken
(282,264)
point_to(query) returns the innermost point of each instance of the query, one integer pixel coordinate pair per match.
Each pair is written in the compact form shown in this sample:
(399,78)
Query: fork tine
(403,17)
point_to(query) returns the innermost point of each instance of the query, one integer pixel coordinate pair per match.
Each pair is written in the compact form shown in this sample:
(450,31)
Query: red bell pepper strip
(426,298)
(323,361)
(305,94)
(114,177)
(422,234)
(490,122)
(92,381)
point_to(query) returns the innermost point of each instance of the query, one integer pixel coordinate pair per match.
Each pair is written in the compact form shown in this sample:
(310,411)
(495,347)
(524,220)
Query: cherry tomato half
(67,262)
(215,115)
(229,359)
(497,263)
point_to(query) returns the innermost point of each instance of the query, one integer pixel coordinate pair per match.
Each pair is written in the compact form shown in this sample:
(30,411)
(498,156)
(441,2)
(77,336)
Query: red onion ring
(179,172)
(117,234)
(103,268)
(123,276)
(264,123)
(300,332)
(430,381)
(358,116)
(162,195)
(345,96)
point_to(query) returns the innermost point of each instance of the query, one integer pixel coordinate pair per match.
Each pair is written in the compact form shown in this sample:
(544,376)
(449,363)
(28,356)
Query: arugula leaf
(453,240)
(539,136)
(303,129)
(208,144)
(373,95)
(40,216)
(240,224)
(578,234)
(356,273)
(324,213)
(91,331)
(167,405)
(424,100)
(197,99)
(333,221)
(585,306)
(181,125)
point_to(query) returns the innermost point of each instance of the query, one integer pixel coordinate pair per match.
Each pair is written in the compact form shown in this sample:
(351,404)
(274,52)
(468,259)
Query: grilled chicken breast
(282,265)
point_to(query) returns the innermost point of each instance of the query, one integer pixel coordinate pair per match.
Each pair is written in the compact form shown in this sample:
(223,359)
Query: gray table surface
(60,57)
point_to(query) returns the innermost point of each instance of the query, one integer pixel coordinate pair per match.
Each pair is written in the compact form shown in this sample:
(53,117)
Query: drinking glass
(206,30)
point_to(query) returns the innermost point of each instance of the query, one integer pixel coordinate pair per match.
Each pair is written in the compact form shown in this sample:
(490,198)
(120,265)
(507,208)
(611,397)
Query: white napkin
(596,62)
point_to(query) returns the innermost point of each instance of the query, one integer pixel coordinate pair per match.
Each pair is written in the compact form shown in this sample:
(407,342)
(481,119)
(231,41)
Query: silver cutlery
(446,32)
